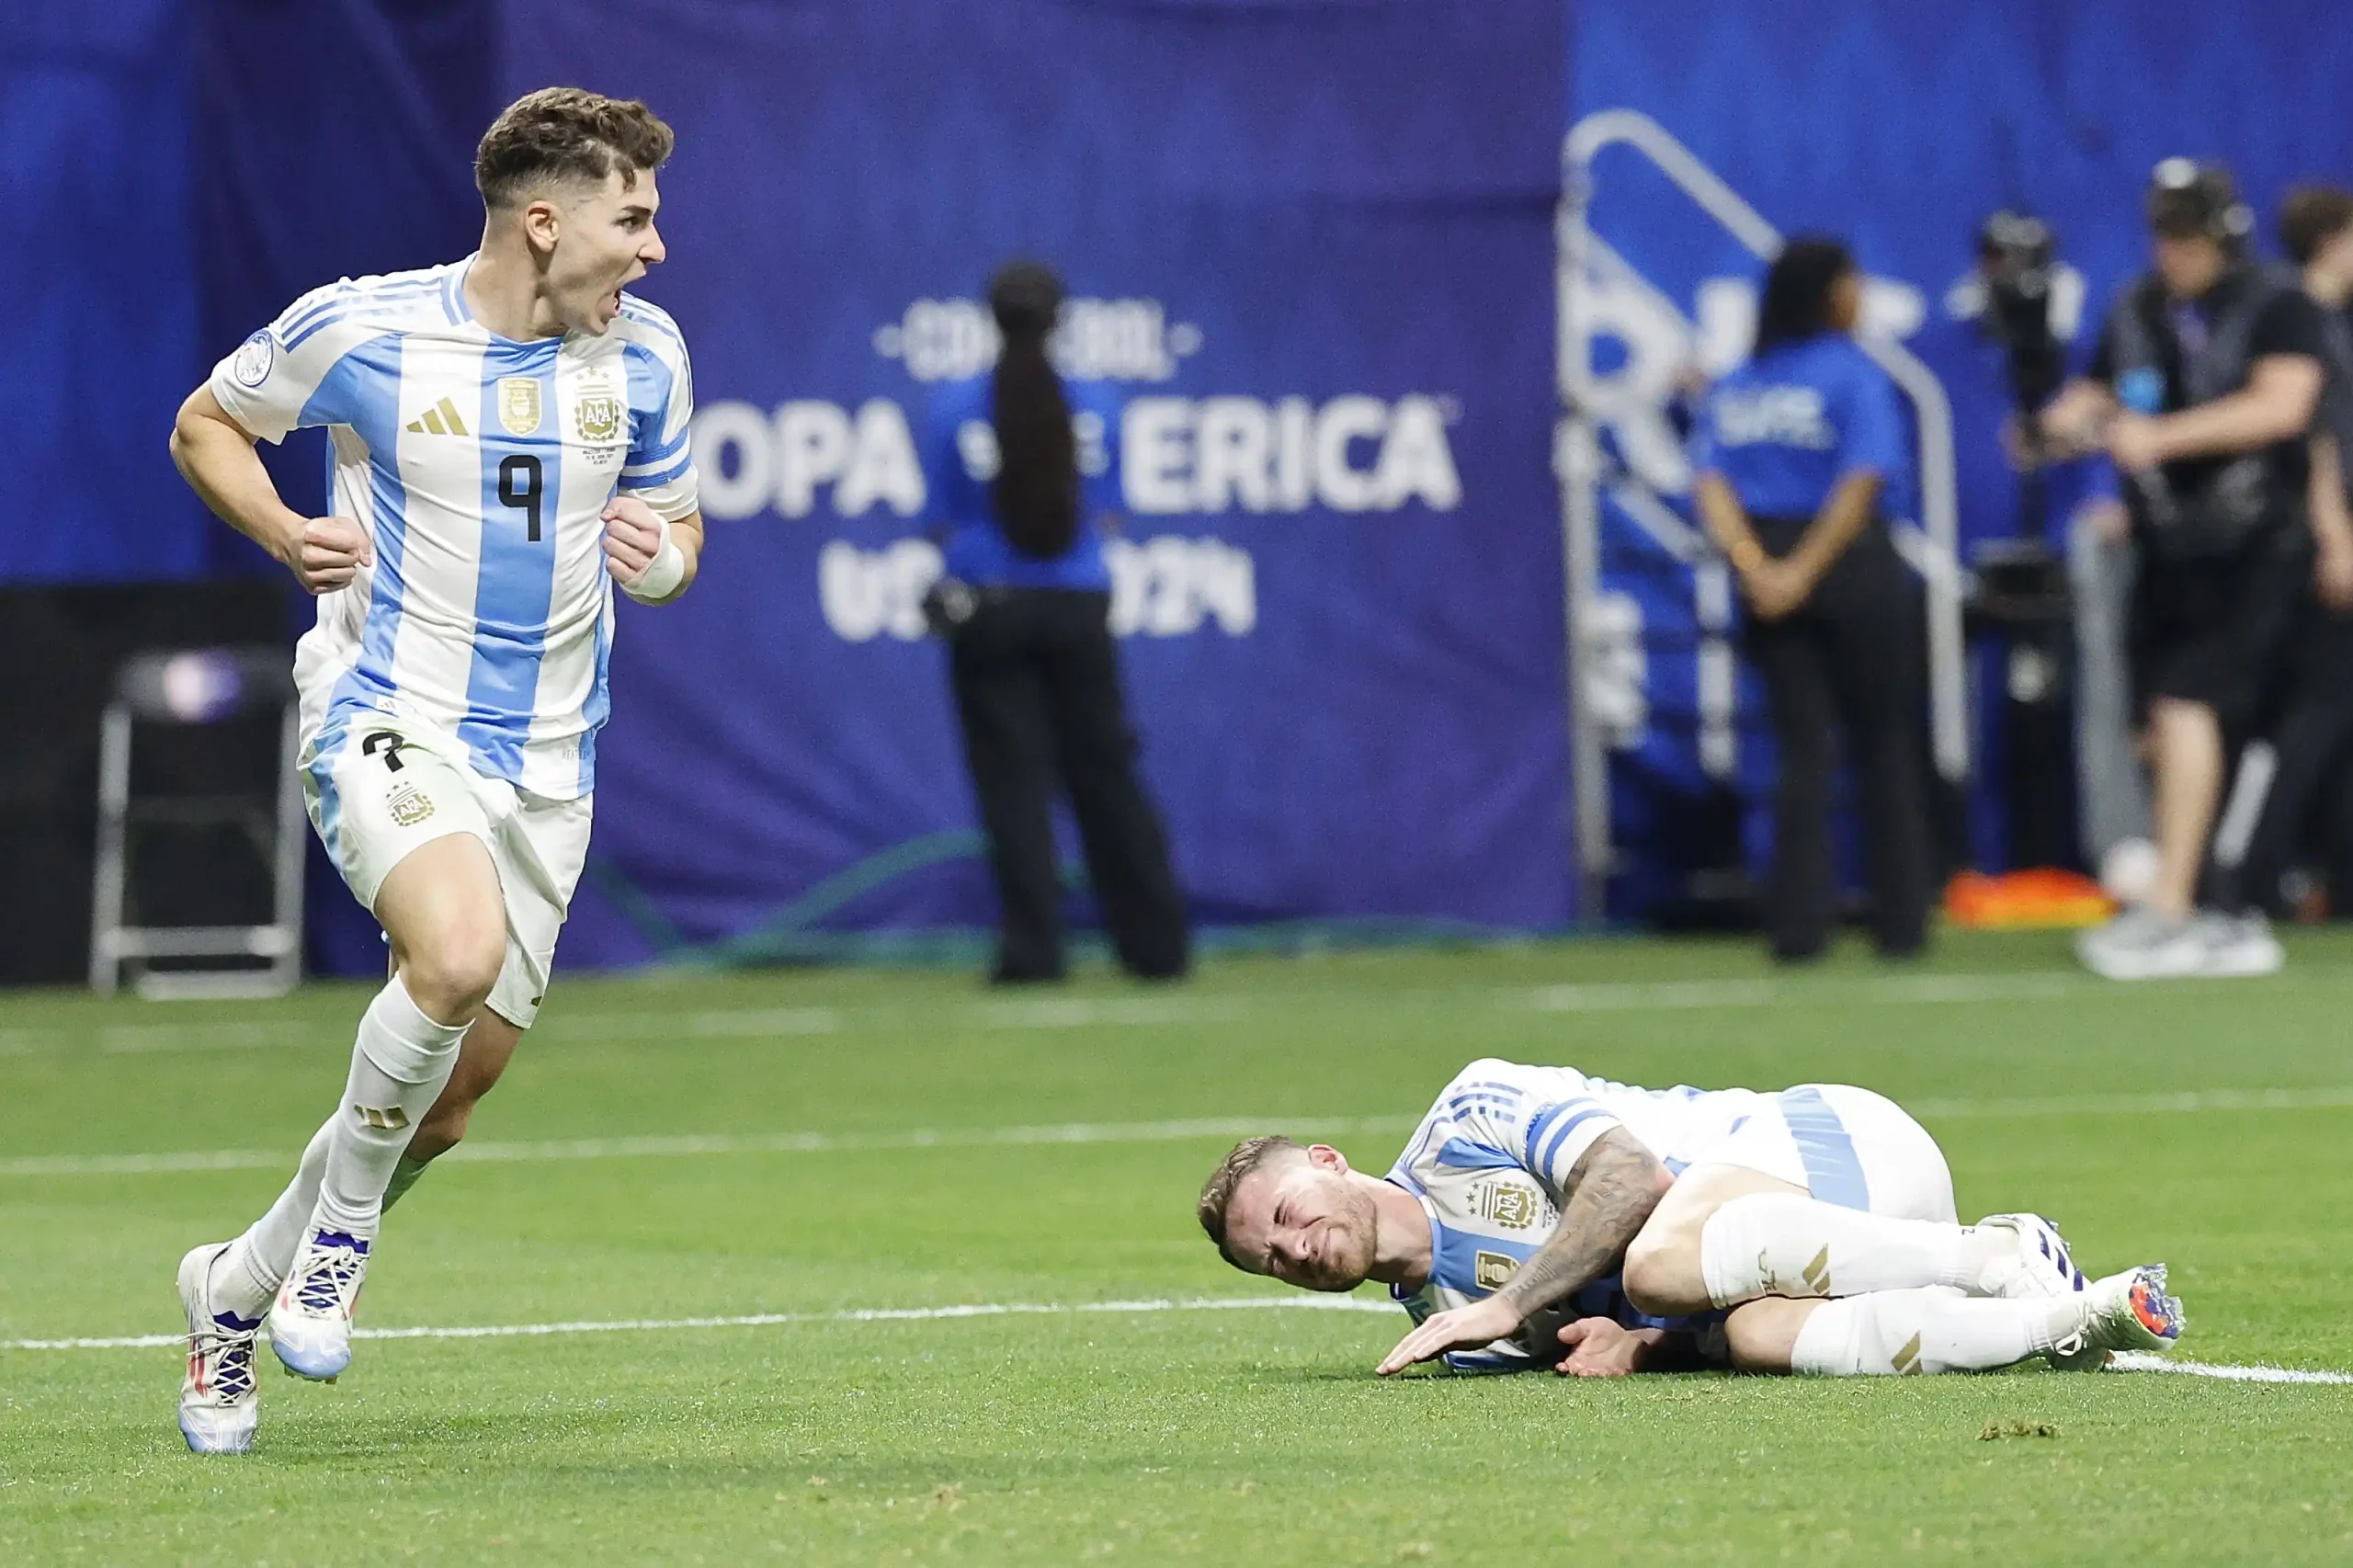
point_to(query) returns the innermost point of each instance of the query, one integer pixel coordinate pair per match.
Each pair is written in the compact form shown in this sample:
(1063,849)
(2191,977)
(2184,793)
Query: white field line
(122,1039)
(1070,1013)
(2136,1361)
(741,1143)
(673,1027)
(660,1146)
(2158,1103)
(758,1023)
(771,1320)
(2123,1363)
(1669,996)
(1060,1013)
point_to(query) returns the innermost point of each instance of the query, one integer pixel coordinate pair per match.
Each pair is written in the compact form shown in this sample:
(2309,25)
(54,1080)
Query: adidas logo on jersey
(441,419)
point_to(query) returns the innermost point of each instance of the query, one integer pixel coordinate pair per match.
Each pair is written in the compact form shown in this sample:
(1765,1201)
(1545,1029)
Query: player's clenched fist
(641,553)
(634,537)
(330,553)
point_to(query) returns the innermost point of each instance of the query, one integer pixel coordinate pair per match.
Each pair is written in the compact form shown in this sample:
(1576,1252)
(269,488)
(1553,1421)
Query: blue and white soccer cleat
(2124,1311)
(310,1324)
(218,1404)
(2040,1266)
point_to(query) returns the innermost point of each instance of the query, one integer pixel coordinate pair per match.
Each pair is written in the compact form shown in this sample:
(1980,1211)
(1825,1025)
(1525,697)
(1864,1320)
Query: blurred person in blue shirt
(1794,452)
(1022,472)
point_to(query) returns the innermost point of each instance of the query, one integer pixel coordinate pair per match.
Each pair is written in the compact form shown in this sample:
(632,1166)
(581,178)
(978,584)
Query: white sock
(1932,1329)
(1781,1244)
(399,1064)
(246,1275)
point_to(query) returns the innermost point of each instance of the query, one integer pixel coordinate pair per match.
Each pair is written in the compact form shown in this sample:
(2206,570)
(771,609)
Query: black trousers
(1037,683)
(2313,742)
(1851,659)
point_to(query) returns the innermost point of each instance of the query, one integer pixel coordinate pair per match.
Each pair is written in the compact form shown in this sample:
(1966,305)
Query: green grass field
(815,1145)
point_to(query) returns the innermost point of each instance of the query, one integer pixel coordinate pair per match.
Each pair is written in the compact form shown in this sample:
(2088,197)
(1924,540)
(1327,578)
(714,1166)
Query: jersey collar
(454,291)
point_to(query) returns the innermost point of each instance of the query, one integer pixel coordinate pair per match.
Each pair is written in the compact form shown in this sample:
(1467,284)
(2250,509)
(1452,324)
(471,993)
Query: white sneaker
(2124,1311)
(2141,944)
(2039,1267)
(2237,945)
(218,1408)
(310,1324)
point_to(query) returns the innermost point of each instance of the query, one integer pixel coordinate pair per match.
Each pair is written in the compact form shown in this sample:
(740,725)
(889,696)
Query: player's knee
(450,976)
(1654,1277)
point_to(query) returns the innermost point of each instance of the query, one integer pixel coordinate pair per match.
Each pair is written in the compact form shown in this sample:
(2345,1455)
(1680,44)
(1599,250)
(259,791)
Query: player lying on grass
(1541,1218)
(508,437)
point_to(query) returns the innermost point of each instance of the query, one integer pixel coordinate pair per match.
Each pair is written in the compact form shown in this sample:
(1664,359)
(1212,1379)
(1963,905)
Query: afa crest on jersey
(596,418)
(1514,1205)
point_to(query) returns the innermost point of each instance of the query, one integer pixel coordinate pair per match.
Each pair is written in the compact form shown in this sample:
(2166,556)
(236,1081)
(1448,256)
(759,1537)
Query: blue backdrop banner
(1899,129)
(102,297)
(1312,242)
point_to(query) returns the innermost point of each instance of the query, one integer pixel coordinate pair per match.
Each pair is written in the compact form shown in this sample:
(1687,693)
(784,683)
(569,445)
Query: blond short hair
(1217,1193)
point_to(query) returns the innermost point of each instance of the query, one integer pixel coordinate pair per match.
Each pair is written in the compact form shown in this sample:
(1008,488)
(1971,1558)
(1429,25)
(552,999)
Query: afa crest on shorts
(518,404)
(409,805)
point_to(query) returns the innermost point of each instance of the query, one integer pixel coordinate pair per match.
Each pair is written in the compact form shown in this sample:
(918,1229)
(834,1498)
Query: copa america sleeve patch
(255,358)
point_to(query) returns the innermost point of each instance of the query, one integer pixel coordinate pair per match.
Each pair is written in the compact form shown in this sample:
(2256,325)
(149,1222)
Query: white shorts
(1844,1145)
(383,785)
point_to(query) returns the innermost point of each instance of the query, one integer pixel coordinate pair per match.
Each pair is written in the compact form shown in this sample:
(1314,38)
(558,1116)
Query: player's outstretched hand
(632,539)
(330,553)
(1598,1347)
(1481,1322)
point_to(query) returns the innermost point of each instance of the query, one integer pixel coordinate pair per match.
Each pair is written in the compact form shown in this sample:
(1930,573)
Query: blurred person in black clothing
(2309,743)
(2205,382)
(1022,468)
(1794,451)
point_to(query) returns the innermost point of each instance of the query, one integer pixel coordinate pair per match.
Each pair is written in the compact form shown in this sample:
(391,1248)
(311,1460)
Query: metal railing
(1932,549)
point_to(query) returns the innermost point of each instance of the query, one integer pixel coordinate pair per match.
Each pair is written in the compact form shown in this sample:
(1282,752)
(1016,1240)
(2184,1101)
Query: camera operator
(2026,302)
(2309,743)
(2204,385)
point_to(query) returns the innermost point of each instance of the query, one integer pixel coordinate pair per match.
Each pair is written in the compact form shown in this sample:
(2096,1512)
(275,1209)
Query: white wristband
(662,575)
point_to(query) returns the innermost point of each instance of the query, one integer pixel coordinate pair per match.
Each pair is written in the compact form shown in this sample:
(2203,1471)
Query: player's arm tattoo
(1611,1190)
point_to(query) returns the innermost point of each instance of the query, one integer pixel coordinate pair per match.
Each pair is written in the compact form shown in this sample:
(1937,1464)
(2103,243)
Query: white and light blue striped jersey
(479,464)
(1489,1163)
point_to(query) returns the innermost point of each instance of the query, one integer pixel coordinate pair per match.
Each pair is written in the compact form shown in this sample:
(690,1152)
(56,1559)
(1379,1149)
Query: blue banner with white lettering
(1312,244)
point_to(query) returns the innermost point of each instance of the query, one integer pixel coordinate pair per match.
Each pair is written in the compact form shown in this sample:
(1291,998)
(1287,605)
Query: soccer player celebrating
(1541,1218)
(508,442)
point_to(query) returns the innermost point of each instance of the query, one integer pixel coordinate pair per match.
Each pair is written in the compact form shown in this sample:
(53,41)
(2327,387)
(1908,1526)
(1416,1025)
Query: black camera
(2017,260)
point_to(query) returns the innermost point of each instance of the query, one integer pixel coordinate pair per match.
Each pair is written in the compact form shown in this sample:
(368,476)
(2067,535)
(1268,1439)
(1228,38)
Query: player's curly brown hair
(566,134)
(1218,1191)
